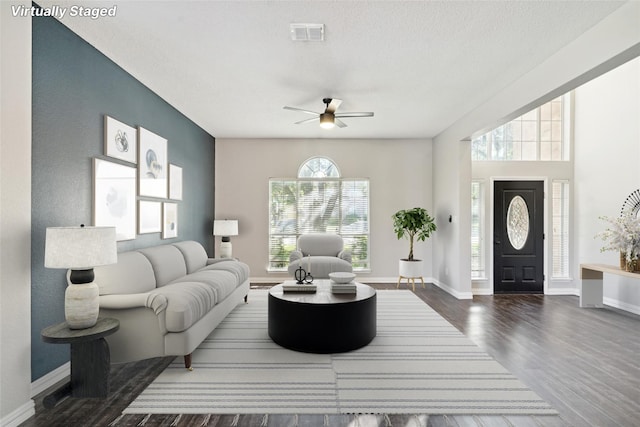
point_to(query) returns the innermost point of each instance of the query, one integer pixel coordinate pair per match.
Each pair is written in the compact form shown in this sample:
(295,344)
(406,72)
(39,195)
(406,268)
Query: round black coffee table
(322,322)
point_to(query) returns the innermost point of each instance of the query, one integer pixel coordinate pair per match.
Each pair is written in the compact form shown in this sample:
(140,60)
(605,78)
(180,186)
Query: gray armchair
(324,253)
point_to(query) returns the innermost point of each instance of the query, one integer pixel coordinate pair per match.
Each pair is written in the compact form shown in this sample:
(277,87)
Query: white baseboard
(50,379)
(482,291)
(20,415)
(622,305)
(563,291)
(450,290)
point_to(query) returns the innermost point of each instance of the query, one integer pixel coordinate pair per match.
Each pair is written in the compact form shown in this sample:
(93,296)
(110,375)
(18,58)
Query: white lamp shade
(225,227)
(80,248)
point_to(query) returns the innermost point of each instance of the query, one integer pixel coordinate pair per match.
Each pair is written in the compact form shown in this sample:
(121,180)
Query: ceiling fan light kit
(329,118)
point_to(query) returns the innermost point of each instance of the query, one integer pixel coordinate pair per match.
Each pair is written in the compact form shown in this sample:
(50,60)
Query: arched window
(318,167)
(319,200)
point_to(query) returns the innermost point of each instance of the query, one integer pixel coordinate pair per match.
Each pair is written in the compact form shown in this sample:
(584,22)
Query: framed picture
(169,220)
(152,164)
(120,140)
(114,197)
(175,182)
(149,217)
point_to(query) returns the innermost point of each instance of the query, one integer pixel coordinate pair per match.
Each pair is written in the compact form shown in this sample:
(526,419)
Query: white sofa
(322,254)
(168,299)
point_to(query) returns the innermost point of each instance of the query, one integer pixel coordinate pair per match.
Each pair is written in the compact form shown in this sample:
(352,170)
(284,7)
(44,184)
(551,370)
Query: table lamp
(80,249)
(225,228)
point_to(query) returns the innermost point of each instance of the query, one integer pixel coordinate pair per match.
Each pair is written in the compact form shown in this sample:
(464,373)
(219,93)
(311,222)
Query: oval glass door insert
(518,222)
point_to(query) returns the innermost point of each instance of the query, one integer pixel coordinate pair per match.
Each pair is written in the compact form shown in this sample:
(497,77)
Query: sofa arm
(295,255)
(345,255)
(157,303)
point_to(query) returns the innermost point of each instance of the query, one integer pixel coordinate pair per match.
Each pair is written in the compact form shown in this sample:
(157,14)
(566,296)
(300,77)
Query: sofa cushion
(239,269)
(222,283)
(194,255)
(132,274)
(187,302)
(167,261)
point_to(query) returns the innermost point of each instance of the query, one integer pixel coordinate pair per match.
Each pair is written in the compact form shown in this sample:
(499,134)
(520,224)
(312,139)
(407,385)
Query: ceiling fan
(329,118)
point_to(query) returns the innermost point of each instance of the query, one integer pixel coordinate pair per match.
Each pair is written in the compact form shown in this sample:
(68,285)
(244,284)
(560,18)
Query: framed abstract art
(114,197)
(175,182)
(152,164)
(120,140)
(149,217)
(169,220)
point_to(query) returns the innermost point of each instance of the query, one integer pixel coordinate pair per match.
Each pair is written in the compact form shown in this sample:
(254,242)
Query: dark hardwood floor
(585,362)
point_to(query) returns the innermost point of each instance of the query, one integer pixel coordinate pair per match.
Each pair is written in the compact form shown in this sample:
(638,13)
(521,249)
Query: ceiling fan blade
(333,105)
(339,123)
(363,114)
(301,110)
(313,119)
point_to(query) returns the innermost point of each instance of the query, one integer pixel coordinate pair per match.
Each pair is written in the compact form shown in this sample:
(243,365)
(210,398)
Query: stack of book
(294,287)
(343,288)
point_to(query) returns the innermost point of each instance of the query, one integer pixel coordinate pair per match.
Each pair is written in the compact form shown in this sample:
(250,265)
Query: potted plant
(413,224)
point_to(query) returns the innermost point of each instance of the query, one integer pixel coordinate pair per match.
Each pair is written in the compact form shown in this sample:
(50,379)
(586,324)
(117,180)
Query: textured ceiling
(231,66)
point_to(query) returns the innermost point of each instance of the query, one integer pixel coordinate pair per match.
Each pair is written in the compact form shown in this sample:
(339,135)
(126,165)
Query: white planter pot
(410,268)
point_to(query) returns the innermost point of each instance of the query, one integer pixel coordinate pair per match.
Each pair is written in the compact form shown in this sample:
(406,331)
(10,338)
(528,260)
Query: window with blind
(318,201)
(477,230)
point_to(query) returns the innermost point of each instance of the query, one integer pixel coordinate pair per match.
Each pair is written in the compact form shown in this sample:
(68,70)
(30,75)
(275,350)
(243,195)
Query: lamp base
(225,250)
(81,305)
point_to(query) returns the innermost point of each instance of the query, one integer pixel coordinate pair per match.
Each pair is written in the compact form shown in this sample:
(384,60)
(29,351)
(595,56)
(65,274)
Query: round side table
(90,359)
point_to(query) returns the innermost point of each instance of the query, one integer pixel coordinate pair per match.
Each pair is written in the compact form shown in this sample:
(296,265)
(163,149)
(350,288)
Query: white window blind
(560,237)
(477,230)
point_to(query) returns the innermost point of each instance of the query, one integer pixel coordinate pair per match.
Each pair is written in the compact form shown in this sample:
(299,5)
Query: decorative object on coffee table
(342,277)
(80,249)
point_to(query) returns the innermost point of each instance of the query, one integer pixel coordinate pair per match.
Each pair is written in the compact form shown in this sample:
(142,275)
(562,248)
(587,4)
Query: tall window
(541,134)
(477,229)
(560,238)
(318,201)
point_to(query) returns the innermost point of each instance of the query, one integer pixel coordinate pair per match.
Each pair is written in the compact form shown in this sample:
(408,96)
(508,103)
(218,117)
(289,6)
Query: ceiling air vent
(307,32)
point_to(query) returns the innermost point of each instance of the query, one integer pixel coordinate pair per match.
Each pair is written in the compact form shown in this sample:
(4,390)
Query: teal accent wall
(74,86)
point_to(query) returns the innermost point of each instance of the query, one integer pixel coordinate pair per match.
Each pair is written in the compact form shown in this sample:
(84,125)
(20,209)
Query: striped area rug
(418,363)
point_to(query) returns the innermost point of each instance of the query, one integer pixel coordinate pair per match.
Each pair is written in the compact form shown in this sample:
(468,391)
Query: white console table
(591,282)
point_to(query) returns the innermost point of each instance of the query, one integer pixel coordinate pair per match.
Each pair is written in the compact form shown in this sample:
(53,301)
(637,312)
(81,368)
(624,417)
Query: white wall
(452,191)
(400,174)
(15,217)
(607,157)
